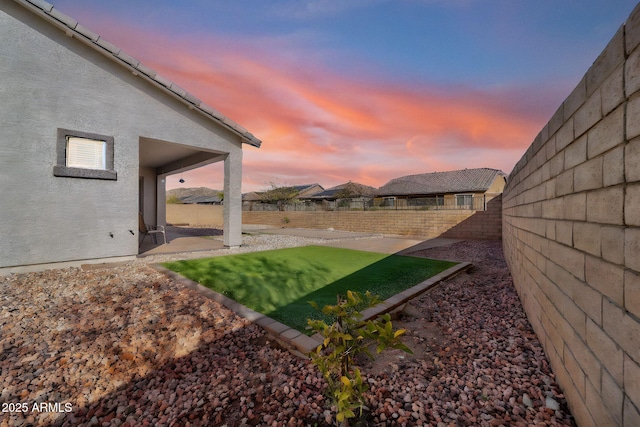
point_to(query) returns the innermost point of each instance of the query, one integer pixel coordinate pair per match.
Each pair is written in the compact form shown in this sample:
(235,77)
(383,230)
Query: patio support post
(232,210)
(161,200)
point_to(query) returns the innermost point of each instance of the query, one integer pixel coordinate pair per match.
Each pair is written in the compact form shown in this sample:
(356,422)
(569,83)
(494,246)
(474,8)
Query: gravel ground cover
(127,346)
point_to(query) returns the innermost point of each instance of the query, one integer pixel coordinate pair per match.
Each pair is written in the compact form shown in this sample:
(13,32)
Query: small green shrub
(344,339)
(173,200)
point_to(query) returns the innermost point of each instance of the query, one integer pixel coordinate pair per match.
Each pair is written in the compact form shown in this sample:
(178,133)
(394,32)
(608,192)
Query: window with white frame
(84,155)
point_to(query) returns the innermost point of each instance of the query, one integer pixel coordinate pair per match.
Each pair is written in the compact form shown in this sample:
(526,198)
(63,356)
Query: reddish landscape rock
(127,346)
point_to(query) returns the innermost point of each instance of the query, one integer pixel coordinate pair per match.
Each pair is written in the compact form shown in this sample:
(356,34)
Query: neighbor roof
(306,187)
(194,200)
(457,181)
(330,193)
(71,27)
(299,189)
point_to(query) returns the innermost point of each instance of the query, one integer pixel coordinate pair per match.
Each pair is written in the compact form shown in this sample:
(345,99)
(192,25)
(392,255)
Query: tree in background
(280,195)
(351,190)
(173,200)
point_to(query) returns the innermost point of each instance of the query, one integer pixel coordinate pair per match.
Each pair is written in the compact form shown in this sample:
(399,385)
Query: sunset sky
(365,90)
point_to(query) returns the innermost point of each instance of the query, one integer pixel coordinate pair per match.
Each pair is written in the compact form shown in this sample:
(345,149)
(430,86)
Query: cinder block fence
(458,224)
(571,234)
(461,224)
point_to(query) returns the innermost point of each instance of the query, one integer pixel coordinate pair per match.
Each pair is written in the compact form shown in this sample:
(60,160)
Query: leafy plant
(173,200)
(344,203)
(346,338)
(352,190)
(280,195)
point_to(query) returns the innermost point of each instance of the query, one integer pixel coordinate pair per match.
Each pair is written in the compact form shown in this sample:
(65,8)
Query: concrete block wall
(463,224)
(482,225)
(457,224)
(571,236)
(407,223)
(195,215)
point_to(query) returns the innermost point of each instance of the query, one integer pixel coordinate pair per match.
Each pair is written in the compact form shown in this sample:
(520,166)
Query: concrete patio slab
(185,244)
(182,240)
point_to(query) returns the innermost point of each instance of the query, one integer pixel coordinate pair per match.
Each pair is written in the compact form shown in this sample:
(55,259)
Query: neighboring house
(279,195)
(350,195)
(202,200)
(351,190)
(462,189)
(308,190)
(196,196)
(300,191)
(88,137)
(252,196)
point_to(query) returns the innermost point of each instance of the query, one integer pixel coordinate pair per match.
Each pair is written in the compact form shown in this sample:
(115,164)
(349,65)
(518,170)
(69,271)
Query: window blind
(86,153)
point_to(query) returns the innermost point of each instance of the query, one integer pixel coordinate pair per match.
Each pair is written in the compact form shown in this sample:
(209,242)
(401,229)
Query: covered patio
(182,239)
(159,159)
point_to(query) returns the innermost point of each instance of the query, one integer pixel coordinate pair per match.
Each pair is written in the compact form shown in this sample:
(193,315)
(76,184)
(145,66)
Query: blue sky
(366,90)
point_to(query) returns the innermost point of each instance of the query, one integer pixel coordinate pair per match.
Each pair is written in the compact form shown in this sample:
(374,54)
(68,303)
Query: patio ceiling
(167,157)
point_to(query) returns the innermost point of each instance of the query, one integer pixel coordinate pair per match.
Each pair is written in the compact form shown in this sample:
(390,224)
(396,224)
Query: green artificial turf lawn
(280,283)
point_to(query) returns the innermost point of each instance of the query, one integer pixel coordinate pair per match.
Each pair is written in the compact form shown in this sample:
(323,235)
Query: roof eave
(73,29)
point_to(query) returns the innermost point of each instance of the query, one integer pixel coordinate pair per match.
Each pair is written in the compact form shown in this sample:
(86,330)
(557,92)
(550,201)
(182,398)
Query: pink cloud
(319,126)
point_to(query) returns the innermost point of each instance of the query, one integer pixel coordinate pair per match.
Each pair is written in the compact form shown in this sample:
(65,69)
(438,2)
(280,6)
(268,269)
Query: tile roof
(330,193)
(299,189)
(306,187)
(73,29)
(194,200)
(457,181)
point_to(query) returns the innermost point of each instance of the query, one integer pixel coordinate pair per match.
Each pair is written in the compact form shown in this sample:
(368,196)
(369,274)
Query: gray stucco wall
(148,175)
(51,81)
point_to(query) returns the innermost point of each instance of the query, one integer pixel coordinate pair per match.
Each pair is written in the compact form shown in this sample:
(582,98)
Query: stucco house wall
(52,81)
(497,187)
(483,184)
(571,235)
